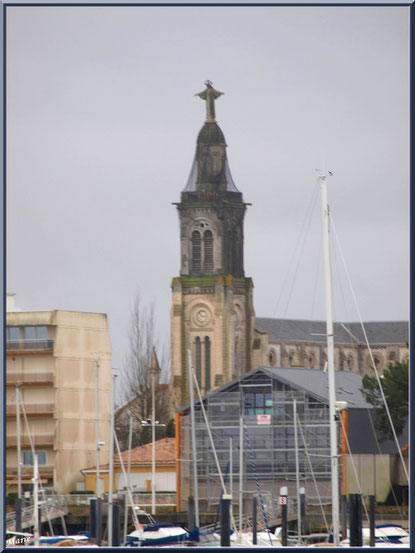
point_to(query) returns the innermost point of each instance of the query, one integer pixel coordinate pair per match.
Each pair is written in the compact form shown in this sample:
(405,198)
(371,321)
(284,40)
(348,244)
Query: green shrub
(11,498)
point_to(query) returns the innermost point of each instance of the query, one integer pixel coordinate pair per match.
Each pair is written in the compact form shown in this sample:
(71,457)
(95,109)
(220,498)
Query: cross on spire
(210,95)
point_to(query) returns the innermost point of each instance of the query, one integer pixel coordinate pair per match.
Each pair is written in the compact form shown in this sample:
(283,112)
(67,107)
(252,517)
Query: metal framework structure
(272,444)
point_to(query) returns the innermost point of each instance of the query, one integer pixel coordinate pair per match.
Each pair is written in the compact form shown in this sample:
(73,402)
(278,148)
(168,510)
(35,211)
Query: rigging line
(312,474)
(304,238)
(32,447)
(310,208)
(316,279)
(338,280)
(251,456)
(371,357)
(212,442)
(221,496)
(354,467)
(125,476)
(313,433)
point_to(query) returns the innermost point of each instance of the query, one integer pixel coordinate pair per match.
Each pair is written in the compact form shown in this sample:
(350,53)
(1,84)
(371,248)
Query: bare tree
(135,393)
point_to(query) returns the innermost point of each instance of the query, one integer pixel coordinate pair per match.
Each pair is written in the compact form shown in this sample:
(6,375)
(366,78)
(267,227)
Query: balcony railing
(39,439)
(31,409)
(49,508)
(163,499)
(45,471)
(29,345)
(17,378)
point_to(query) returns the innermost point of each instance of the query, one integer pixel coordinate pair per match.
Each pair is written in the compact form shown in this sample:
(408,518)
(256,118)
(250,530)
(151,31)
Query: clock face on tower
(201,316)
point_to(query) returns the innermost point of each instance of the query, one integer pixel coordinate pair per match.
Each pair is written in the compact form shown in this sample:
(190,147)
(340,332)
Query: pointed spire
(154,364)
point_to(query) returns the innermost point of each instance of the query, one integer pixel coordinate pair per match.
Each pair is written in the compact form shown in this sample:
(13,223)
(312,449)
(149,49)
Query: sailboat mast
(96,367)
(111,468)
(193,435)
(36,499)
(330,365)
(297,473)
(241,470)
(19,451)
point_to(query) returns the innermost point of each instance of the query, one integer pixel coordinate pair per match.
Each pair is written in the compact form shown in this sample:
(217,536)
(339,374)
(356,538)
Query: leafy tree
(136,382)
(170,429)
(395,388)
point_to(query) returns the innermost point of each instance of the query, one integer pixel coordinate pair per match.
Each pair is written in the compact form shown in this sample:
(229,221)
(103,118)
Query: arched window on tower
(198,360)
(196,252)
(208,251)
(207,364)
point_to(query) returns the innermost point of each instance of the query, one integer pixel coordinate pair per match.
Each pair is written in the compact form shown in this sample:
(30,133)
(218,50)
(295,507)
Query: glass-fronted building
(277,447)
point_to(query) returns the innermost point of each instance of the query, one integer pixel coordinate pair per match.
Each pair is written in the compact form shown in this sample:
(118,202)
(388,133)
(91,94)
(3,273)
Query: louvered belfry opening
(208,251)
(196,252)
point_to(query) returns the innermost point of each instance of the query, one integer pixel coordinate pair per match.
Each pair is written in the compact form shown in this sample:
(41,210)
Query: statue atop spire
(210,95)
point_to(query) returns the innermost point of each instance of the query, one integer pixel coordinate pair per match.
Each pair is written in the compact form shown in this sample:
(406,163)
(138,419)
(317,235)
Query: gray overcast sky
(101,131)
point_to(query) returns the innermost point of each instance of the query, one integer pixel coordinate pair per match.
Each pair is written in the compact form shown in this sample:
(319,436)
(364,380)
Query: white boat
(158,534)
(386,535)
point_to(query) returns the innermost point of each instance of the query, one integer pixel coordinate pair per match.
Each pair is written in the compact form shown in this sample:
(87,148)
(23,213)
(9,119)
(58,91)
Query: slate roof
(316,382)
(165,454)
(291,330)
(211,133)
(313,381)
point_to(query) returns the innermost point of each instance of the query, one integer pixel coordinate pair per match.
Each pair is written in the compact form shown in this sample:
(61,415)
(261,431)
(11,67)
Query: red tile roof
(165,454)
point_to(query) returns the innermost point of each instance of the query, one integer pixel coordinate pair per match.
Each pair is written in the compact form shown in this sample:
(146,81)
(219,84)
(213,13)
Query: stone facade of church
(302,343)
(212,312)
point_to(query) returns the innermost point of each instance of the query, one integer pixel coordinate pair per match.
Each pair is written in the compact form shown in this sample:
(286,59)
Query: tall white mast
(111,468)
(241,469)
(330,365)
(96,367)
(193,435)
(36,499)
(19,452)
(297,472)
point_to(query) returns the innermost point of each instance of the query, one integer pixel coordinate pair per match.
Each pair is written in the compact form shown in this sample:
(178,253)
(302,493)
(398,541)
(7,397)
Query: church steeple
(212,237)
(210,171)
(212,309)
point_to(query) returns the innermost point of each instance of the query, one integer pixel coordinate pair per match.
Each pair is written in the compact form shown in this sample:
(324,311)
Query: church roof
(192,185)
(291,330)
(312,381)
(315,382)
(211,133)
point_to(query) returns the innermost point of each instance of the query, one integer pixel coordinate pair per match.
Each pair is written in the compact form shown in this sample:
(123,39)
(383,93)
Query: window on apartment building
(35,332)
(28,457)
(13,333)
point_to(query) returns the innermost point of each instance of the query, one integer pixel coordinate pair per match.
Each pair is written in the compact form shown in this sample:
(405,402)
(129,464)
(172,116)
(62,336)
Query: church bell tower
(212,309)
